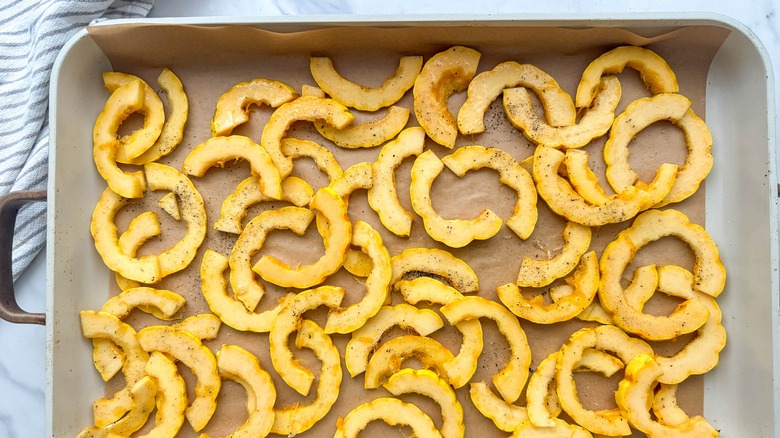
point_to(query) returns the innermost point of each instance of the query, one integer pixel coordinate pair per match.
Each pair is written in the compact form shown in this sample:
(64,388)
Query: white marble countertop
(22,366)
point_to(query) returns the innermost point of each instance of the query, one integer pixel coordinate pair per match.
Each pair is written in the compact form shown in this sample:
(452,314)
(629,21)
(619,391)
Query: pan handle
(9,208)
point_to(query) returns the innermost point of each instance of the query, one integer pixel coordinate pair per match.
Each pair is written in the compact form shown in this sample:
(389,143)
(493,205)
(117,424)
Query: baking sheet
(238,53)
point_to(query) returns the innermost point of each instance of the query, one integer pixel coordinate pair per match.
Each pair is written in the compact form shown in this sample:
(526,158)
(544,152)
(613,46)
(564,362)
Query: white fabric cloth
(31,35)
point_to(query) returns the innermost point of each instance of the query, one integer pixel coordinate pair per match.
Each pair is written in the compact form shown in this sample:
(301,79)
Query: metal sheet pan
(741,214)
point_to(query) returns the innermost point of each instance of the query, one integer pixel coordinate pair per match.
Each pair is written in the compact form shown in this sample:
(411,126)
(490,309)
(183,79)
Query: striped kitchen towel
(31,35)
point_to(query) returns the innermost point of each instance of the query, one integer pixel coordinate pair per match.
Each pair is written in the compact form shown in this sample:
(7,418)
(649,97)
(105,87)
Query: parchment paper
(209,60)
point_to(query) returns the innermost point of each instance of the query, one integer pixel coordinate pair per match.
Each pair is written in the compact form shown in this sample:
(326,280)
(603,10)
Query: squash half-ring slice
(288,321)
(298,418)
(217,151)
(188,349)
(455,233)
(336,240)
(653,70)
(442,75)
(365,339)
(348,319)
(642,113)
(382,195)
(487,86)
(246,287)
(510,173)
(233,106)
(305,108)
(594,123)
(390,410)
(193,213)
(512,378)
(358,96)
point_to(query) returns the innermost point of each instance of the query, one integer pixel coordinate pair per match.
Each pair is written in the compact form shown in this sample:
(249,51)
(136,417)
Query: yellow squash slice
(426,290)
(365,339)
(193,213)
(464,364)
(336,240)
(189,350)
(107,326)
(442,75)
(665,406)
(172,130)
(170,205)
(142,396)
(635,395)
(565,201)
(505,416)
(581,288)
(297,148)
(305,108)
(144,269)
(143,227)
(382,196)
(595,121)
(355,177)
(295,419)
(582,178)
(217,151)
(151,108)
(246,287)
(163,304)
(171,396)
(488,85)
(248,193)
(541,396)
(654,71)
(427,383)
(123,101)
(701,354)
(388,358)
(599,361)
(310,90)
(101,325)
(233,106)
(235,363)
(350,318)
(594,312)
(605,338)
(357,263)
(390,410)
(436,262)
(108,122)
(229,309)
(539,273)
(511,379)
(455,233)
(368,134)
(586,184)
(709,275)
(358,176)
(204,326)
(642,113)
(129,185)
(288,321)
(358,96)
(510,172)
